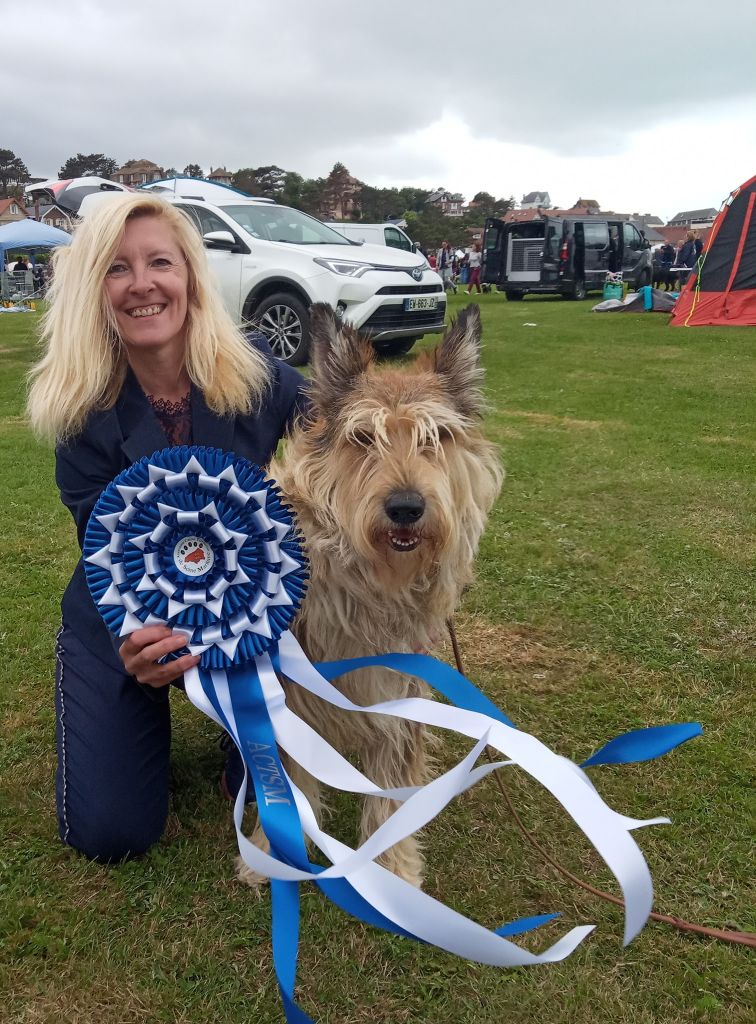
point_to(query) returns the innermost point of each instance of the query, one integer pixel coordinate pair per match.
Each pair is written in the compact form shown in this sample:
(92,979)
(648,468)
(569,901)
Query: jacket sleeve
(84,468)
(291,387)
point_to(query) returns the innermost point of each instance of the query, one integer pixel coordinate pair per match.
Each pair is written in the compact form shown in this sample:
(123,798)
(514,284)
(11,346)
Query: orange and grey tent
(723,291)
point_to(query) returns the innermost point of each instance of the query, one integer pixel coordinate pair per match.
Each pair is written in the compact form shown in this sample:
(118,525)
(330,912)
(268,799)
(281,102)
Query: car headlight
(344,268)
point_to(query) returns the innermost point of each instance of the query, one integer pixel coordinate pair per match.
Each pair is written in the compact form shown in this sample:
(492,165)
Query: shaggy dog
(391,481)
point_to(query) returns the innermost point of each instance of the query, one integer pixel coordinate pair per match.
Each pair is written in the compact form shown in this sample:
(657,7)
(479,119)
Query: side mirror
(219,240)
(415,247)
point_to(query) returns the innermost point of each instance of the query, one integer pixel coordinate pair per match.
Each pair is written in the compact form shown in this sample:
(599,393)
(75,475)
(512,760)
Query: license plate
(421,302)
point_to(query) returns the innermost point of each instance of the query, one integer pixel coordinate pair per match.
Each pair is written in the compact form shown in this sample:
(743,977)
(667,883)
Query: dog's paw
(247,876)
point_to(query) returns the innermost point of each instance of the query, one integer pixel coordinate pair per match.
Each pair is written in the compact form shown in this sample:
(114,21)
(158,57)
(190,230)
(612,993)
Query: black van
(563,255)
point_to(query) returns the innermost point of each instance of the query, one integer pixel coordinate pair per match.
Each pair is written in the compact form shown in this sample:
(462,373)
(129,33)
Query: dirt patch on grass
(744,442)
(519,650)
(554,421)
(669,352)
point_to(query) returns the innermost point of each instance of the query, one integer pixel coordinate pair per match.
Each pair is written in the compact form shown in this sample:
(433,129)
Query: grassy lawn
(615,590)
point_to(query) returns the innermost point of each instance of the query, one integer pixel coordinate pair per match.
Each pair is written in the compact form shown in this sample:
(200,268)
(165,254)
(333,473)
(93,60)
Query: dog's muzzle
(404,508)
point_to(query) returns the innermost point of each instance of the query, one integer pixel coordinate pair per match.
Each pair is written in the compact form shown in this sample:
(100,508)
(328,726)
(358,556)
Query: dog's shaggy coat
(391,482)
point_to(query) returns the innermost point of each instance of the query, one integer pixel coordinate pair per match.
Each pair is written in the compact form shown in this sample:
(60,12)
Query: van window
(396,239)
(632,238)
(596,236)
(551,248)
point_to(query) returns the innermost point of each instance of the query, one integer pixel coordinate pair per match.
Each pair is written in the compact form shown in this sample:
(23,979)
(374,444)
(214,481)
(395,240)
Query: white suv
(272,262)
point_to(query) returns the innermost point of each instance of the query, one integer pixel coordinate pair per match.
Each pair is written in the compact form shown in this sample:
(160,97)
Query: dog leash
(724,935)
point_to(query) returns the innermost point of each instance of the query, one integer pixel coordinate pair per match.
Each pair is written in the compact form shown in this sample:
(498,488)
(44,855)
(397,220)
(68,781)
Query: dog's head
(397,471)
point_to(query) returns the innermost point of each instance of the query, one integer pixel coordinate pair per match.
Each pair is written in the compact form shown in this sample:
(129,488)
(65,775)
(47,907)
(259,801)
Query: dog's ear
(339,355)
(457,361)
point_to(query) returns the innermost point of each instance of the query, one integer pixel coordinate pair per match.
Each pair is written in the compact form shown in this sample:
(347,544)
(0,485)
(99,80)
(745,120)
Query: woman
(474,260)
(139,354)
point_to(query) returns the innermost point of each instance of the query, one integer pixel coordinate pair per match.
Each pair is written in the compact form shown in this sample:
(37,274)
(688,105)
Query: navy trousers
(113,739)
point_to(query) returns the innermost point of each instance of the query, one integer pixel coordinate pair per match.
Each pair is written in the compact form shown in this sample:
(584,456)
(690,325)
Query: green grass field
(615,591)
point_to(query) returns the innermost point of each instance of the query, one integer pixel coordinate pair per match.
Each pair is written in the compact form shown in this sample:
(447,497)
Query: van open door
(493,251)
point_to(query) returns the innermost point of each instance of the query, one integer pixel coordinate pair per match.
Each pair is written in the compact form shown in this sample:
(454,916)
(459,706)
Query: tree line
(316,196)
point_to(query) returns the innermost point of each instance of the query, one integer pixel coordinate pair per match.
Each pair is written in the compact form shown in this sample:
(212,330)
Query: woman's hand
(142,651)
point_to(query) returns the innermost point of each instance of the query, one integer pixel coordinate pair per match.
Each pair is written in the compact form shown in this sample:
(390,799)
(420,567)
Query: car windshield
(282,224)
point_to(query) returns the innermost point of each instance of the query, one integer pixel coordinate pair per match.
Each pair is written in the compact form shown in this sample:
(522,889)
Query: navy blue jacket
(115,438)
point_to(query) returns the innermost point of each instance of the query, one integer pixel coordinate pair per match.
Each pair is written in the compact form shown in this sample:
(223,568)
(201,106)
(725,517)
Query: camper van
(374,234)
(567,256)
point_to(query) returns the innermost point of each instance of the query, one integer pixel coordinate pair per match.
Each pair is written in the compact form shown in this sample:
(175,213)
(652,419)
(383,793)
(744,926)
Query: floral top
(174,417)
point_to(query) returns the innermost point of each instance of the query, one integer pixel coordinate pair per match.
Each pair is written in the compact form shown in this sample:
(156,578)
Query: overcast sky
(648,106)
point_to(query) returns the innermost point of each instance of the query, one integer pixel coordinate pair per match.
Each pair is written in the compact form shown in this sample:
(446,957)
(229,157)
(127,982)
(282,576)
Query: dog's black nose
(404,507)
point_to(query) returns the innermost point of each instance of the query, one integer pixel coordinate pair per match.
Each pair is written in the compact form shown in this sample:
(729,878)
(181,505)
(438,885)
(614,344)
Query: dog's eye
(445,434)
(363,437)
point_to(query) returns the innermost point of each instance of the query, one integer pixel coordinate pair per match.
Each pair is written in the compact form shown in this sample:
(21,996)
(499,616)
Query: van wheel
(397,347)
(285,322)
(515,296)
(578,290)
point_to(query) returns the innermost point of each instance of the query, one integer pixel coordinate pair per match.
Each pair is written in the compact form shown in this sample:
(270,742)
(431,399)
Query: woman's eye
(117,269)
(162,263)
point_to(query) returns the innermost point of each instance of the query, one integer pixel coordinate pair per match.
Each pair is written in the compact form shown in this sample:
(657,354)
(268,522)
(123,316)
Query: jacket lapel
(208,428)
(141,432)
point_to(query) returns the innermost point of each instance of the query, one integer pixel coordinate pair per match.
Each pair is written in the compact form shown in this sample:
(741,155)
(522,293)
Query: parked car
(374,234)
(272,262)
(567,256)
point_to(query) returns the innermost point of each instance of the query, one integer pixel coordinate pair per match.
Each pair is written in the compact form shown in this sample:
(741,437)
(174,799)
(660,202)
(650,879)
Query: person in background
(139,354)
(445,261)
(698,244)
(474,259)
(686,257)
(667,256)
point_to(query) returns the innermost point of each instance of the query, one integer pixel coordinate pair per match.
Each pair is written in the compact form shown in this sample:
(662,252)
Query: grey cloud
(295,82)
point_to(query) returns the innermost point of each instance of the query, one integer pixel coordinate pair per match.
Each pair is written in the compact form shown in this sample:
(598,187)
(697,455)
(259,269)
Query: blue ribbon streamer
(627,748)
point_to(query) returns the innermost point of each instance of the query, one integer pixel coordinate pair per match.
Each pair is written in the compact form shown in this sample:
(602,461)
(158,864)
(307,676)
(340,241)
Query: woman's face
(147,284)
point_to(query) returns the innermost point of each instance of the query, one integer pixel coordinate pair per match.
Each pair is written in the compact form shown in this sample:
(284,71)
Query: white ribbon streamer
(605,828)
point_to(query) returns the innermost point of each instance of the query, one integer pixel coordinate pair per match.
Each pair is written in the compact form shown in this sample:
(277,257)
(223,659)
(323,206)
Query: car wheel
(396,347)
(578,289)
(515,296)
(285,322)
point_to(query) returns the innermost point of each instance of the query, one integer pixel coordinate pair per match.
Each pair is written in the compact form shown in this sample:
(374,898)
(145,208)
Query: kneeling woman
(139,355)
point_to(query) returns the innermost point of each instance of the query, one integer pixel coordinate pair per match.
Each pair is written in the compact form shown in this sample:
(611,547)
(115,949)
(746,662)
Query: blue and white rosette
(199,540)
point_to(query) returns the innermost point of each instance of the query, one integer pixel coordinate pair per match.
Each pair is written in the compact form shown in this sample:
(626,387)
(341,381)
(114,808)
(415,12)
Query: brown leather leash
(725,935)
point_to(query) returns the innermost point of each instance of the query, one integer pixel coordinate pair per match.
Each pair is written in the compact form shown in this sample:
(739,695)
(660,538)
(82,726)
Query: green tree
(292,189)
(171,173)
(270,181)
(483,205)
(13,173)
(311,196)
(378,204)
(412,199)
(430,228)
(193,171)
(244,179)
(82,165)
(338,193)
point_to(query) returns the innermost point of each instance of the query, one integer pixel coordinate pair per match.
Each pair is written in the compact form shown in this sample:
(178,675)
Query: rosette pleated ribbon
(199,540)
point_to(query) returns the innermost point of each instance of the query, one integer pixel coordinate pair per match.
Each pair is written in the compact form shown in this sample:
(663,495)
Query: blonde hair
(84,365)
